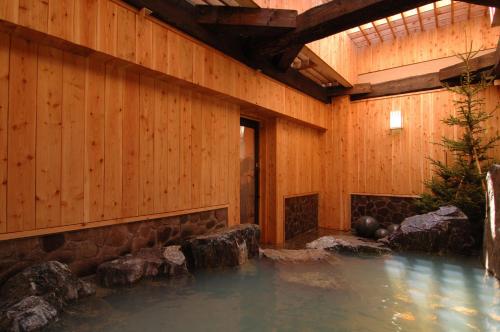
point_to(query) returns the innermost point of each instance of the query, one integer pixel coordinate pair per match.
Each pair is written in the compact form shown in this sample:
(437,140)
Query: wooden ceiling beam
(249,17)
(436,15)
(405,24)
(480,63)
(406,85)
(331,18)
(390,27)
(377,31)
(357,89)
(488,3)
(452,11)
(420,19)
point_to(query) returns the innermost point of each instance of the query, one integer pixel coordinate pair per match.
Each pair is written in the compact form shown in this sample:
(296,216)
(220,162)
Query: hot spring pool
(394,293)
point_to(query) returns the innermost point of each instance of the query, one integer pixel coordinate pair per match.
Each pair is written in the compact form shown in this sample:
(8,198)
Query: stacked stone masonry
(386,209)
(301,215)
(84,250)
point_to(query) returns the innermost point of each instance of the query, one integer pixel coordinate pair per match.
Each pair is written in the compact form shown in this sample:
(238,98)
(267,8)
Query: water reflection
(397,293)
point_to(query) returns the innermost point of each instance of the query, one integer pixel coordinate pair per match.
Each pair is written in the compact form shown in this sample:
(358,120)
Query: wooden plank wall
(115,29)
(428,45)
(94,143)
(363,156)
(299,165)
(337,50)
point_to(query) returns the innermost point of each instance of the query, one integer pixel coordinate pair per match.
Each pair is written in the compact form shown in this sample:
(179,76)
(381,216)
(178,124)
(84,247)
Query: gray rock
(446,230)
(32,298)
(348,244)
(175,261)
(292,256)
(30,314)
(123,271)
(223,248)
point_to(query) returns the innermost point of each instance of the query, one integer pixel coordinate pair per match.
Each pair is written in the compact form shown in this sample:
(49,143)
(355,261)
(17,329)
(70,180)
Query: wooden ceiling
(424,18)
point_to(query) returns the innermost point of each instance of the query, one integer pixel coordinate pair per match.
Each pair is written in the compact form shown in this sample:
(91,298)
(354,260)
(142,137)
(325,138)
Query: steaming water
(394,293)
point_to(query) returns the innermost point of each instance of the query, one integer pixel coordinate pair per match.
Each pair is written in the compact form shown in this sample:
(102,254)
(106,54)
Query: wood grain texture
(428,45)
(73,138)
(111,28)
(4,117)
(49,137)
(367,157)
(22,136)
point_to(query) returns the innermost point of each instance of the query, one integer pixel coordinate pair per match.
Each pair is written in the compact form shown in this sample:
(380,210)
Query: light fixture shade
(396,120)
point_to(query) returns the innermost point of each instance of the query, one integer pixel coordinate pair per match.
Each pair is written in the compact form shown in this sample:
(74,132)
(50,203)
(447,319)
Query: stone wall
(85,249)
(386,209)
(301,215)
(491,243)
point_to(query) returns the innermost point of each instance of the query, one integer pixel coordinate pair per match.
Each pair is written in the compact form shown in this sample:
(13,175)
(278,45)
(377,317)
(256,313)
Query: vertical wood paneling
(73,138)
(180,55)
(113,168)
(107,29)
(173,145)
(185,146)
(49,137)
(147,146)
(21,136)
(9,10)
(4,116)
(61,18)
(160,49)
(94,140)
(126,34)
(85,22)
(206,152)
(144,41)
(131,127)
(161,151)
(196,149)
(34,14)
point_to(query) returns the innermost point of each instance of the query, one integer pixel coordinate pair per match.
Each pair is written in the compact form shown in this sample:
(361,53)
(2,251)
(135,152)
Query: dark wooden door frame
(255,125)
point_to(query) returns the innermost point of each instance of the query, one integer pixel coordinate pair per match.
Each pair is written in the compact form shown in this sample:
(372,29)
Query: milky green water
(395,293)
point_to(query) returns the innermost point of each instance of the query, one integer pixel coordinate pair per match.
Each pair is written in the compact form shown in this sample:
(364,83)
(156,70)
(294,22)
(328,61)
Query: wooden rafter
(436,15)
(330,18)
(247,17)
(452,9)
(469,7)
(364,35)
(377,31)
(420,19)
(390,27)
(405,24)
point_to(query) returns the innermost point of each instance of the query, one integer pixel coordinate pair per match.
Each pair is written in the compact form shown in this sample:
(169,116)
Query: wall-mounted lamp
(396,120)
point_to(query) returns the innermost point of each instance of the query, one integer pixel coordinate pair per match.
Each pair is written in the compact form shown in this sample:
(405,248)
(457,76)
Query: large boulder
(33,298)
(348,245)
(446,230)
(146,263)
(491,242)
(223,248)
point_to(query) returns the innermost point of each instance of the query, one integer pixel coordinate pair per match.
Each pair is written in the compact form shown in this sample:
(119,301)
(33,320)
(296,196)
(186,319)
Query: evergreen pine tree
(462,183)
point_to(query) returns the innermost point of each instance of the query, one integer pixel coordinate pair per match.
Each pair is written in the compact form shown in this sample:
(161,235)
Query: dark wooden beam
(357,89)
(487,3)
(333,17)
(406,85)
(480,63)
(496,67)
(252,17)
(182,15)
